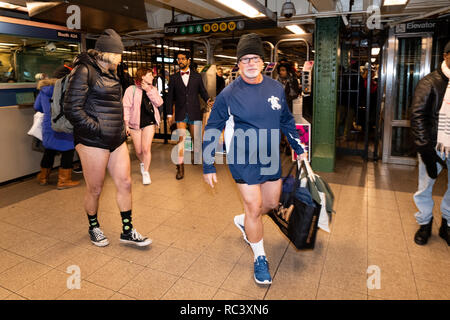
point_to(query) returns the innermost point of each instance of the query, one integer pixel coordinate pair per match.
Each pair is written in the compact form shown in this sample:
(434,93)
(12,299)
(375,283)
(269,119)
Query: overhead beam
(324,5)
(196,8)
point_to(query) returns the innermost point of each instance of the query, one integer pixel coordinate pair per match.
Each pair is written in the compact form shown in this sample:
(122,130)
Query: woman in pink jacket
(141,117)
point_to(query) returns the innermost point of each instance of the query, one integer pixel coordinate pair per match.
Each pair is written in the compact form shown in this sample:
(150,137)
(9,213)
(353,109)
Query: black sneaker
(78,170)
(98,238)
(424,232)
(135,238)
(444,231)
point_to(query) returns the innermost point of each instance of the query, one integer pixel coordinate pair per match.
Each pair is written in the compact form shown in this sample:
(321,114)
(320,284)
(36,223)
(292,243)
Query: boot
(65,179)
(444,231)
(42,176)
(180,171)
(424,232)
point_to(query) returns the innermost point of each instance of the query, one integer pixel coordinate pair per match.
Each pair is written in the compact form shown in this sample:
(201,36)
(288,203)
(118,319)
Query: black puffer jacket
(427,102)
(96,111)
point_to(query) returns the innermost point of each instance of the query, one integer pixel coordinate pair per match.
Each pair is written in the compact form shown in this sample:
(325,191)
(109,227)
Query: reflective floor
(197,252)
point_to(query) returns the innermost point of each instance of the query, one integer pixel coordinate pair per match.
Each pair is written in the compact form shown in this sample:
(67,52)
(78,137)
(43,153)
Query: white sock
(258,249)
(240,219)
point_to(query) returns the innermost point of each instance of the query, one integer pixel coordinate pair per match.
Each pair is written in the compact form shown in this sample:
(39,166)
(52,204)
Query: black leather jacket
(96,111)
(427,102)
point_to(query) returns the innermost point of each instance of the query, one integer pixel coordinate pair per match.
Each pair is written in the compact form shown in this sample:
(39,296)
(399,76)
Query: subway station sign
(225,25)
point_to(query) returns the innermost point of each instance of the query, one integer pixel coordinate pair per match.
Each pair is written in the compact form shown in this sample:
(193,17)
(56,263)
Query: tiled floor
(197,253)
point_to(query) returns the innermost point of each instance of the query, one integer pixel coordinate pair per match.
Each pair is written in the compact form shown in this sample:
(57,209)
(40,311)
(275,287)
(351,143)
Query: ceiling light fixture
(295,29)
(387,3)
(10,6)
(223,56)
(242,7)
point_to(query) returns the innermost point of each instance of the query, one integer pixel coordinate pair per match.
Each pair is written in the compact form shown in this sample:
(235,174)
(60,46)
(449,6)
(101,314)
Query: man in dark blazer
(184,88)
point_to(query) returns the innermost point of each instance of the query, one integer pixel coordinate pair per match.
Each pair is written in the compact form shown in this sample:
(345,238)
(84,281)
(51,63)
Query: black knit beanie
(61,72)
(249,44)
(109,41)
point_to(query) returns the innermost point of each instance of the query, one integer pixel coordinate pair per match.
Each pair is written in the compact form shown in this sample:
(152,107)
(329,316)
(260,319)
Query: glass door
(409,58)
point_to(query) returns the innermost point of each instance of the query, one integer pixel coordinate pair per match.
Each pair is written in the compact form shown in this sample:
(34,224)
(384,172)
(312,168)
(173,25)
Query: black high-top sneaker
(98,238)
(135,238)
(444,231)
(424,232)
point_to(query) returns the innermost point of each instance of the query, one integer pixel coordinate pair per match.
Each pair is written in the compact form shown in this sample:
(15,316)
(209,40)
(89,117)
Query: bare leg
(94,162)
(119,169)
(136,136)
(181,126)
(252,198)
(196,138)
(271,192)
(147,138)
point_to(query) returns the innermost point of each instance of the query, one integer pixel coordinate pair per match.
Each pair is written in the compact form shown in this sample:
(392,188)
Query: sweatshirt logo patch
(274,101)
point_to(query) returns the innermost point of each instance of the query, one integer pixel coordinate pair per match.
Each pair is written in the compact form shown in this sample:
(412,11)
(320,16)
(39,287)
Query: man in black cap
(253,106)
(430,124)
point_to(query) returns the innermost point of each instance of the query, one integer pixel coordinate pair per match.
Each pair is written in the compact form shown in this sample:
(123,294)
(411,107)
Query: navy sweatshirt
(252,115)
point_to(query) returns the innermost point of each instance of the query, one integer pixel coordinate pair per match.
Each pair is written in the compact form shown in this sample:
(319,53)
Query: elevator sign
(416,26)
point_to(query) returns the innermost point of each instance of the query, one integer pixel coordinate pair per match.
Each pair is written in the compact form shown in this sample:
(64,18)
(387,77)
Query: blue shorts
(188,121)
(240,181)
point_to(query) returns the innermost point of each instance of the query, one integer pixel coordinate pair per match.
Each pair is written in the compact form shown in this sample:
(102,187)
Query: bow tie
(183,73)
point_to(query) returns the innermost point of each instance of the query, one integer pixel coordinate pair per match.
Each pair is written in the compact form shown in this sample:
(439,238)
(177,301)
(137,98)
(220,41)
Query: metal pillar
(368,100)
(325,94)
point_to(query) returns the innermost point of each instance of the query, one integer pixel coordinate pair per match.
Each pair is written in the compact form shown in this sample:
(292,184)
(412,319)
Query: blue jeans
(423,197)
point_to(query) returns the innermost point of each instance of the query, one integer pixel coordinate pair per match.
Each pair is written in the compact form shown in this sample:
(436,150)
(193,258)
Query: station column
(325,93)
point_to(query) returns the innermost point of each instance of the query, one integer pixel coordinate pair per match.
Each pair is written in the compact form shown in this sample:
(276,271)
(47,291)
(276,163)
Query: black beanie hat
(249,44)
(61,72)
(109,41)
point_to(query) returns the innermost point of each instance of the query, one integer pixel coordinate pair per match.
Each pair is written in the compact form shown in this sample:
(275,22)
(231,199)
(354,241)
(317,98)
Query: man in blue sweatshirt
(253,110)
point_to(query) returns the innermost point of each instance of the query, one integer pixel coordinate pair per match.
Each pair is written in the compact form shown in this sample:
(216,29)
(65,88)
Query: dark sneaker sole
(138,244)
(262,282)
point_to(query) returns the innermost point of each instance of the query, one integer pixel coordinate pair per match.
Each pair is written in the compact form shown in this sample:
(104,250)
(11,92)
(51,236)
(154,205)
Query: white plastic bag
(36,128)
(324,219)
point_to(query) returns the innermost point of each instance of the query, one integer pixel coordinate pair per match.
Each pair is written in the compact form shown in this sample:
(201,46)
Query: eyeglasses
(247,60)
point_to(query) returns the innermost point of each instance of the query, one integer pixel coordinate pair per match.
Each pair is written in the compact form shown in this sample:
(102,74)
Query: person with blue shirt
(252,109)
(54,142)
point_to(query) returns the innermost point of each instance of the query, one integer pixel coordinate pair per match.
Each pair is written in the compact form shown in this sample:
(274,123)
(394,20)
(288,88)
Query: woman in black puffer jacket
(93,105)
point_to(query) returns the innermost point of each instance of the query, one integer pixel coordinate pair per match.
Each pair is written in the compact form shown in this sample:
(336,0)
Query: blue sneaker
(241,228)
(262,275)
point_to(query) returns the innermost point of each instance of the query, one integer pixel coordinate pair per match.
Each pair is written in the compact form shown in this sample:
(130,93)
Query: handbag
(297,214)
(36,145)
(36,128)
